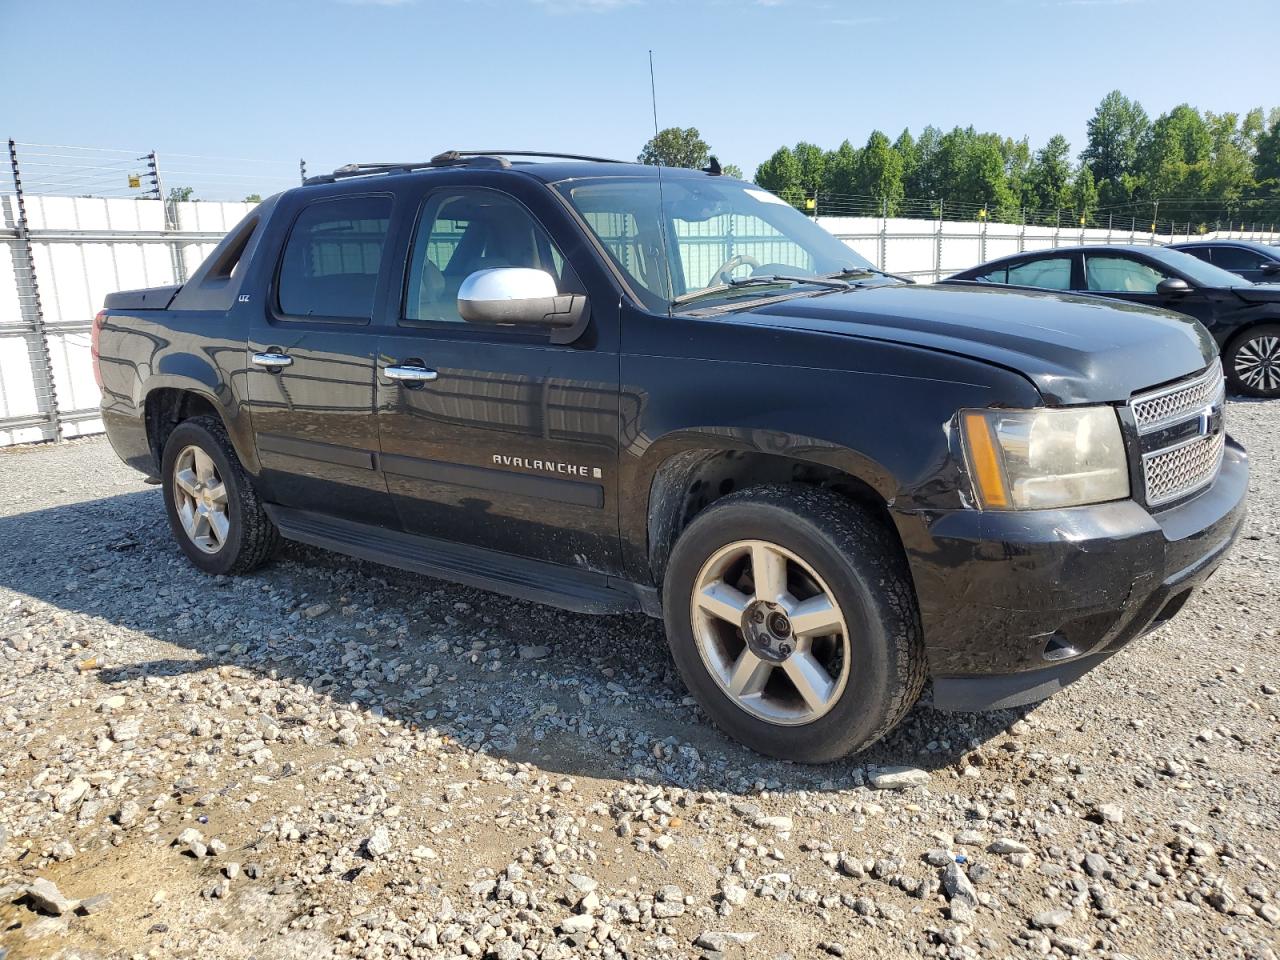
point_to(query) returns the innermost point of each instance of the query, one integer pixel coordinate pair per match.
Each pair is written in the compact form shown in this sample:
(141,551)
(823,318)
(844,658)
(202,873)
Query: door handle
(409,374)
(272,359)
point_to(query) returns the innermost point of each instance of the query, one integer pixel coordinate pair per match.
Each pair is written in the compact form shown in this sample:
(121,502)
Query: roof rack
(456,156)
(449,158)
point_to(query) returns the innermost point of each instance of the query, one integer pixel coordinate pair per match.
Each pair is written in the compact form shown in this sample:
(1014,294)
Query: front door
(1135,279)
(311,362)
(498,438)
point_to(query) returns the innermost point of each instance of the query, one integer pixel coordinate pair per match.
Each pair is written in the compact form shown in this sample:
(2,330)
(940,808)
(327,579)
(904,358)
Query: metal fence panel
(82,248)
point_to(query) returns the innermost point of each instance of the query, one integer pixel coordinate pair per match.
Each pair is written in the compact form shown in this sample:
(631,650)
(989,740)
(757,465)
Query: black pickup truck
(616,388)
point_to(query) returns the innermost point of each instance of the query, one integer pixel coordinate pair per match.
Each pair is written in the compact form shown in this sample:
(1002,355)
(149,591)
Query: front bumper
(1016,605)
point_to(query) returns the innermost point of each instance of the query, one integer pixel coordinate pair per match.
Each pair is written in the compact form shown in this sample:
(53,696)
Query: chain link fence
(79,222)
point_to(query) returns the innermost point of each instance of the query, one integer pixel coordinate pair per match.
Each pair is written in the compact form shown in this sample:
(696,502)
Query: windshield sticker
(764,196)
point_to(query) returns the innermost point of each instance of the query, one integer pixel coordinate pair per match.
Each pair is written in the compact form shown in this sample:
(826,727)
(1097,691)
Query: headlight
(1034,459)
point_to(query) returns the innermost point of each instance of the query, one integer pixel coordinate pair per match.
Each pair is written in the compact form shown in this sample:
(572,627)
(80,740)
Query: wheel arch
(687,472)
(171,400)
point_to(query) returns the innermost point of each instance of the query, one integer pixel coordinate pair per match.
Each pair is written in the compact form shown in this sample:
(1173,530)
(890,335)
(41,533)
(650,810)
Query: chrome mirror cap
(522,296)
(507,284)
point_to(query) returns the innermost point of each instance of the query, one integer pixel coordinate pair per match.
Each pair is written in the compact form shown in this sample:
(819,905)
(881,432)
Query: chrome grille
(1173,473)
(1171,404)
(1175,465)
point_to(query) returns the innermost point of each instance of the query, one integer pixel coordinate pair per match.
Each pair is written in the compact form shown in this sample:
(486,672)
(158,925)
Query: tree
(1174,160)
(905,147)
(1266,164)
(812,163)
(841,171)
(971,172)
(1049,180)
(179,194)
(732,170)
(1017,172)
(781,174)
(1229,175)
(1116,134)
(878,173)
(1200,167)
(677,147)
(253,198)
(1082,196)
(923,180)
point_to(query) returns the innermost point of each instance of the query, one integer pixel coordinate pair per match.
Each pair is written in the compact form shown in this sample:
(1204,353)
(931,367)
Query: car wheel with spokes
(1253,361)
(216,515)
(792,619)
(200,499)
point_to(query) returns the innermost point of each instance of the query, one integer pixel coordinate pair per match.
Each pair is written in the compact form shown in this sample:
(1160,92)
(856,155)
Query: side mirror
(522,296)
(1173,287)
(1271,268)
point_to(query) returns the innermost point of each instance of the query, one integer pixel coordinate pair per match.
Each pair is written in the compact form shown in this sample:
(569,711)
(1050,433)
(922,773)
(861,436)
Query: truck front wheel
(216,515)
(792,619)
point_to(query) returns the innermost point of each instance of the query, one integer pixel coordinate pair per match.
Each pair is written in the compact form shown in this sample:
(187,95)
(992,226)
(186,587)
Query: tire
(1252,361)
(248,538)
(830,546)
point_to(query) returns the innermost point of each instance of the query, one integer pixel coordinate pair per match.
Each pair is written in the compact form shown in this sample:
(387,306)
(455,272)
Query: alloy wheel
(770,632)
(201,499)
(1257,363)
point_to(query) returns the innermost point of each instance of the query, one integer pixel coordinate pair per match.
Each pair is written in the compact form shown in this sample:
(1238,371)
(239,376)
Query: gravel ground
(330,758)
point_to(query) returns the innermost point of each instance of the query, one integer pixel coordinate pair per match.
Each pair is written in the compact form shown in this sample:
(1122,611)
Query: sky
(334,81)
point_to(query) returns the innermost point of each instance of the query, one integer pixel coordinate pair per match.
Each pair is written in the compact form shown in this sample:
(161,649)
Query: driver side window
(466,230)
(1120,275)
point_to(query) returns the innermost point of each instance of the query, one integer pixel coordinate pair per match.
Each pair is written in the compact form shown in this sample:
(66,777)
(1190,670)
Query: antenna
(662,206)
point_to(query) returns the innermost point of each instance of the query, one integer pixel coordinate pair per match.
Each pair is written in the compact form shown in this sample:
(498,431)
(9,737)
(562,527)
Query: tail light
(93,346)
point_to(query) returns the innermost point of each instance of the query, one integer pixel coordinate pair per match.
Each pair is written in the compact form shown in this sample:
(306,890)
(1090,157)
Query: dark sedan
(1243,317)
(1256,262)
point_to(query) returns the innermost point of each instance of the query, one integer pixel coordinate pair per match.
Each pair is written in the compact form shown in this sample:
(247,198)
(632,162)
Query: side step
(579,590)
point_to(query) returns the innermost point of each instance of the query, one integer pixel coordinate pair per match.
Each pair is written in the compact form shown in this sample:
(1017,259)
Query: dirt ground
(329,758)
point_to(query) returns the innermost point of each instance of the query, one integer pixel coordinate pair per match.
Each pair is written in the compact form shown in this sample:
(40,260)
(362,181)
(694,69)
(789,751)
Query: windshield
(1201,273)
(717,231)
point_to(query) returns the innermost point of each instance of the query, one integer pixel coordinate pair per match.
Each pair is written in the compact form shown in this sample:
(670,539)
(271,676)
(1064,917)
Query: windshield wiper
(768,279)
(854,271)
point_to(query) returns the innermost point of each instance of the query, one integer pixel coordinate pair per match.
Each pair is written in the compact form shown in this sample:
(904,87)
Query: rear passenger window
(331,261)
(1237,258)
(1051,274)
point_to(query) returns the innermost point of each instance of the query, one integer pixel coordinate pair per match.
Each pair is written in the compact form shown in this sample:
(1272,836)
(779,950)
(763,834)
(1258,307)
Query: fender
(651,505)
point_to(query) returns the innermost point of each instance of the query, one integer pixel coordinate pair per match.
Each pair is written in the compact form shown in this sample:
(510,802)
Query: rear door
(1048,271)
(512,443)
(1241,261)
(311,360)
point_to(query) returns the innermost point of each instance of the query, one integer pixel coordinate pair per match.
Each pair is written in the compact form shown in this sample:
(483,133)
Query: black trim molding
(314,450)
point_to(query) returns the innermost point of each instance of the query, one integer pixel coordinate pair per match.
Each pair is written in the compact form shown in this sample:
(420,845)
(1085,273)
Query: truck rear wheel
(792,619)
(215,513)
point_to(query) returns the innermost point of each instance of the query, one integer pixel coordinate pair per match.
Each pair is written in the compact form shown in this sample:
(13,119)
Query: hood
(1258,292)
(1075,349)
